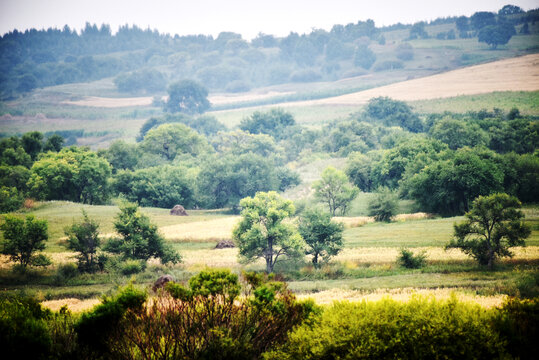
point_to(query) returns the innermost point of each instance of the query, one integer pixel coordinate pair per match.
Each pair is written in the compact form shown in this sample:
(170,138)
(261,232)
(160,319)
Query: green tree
(23,238)
(171,140)
(121,155)
(358,169)
(492,226)
(481,19)
(54,143)
(448,187)
(495,35)
(274,122)
(83,237)
(74,174)
(335,190)
(10,199)
(393,113)
(262,232)
(139,238)
(457,133)
(383,206)
(322,236)
(32,143)
(187,96)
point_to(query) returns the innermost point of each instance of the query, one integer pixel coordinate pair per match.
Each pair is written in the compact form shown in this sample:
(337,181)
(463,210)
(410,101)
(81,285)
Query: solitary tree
(139,238)
(187,96)
(23,238)
(322,236)
(262,232)
(492,226)
(495,35)
(384,205)
(335,190)
(83,237)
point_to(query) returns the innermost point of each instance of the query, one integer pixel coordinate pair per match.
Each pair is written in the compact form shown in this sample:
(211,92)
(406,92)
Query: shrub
(129,267)
(423,328)
(23,330)
(383,206)
(408,260)
(67,271)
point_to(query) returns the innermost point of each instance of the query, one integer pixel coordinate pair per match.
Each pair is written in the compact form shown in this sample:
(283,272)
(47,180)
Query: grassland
(365,269)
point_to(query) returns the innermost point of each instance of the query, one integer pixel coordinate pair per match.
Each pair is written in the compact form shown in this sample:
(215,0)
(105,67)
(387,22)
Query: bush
(384,205)
(10,199)
(23,330)
(408,260)
(130,267)
(67,271)
(422,328)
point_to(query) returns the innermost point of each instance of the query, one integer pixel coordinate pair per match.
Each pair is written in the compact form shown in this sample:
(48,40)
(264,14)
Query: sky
(247,17)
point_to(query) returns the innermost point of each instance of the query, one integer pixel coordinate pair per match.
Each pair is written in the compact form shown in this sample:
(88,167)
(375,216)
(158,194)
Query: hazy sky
(247,17)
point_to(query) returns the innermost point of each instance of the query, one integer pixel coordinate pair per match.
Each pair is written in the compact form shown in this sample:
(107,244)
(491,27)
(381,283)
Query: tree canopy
(492,226)
(334,190)
(187,96)
(262,231)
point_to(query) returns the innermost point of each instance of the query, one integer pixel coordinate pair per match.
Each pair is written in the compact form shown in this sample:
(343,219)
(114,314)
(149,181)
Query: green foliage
(405,52)
(448,187)
(10,199)
(358,170)
(22,238)
(12,153)
(495,35)
(121,155)
(187,96)
(23,329)
(457,133)
(408,260)
(323,238)
(54,143)
(32,143)
(74,174)
(225,180)
(95,328)
(131,266)
(274,122)
(383,206)
(521,178)
(393,113)
(170,140)
(83,238)
(421,328)
(492,226)
(139,238)
(517,322)
(418,31)
(335,191)
(262,232)
(159,186)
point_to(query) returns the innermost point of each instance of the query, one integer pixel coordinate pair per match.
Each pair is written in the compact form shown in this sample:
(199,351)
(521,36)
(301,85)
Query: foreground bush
(207,320)
(420,329)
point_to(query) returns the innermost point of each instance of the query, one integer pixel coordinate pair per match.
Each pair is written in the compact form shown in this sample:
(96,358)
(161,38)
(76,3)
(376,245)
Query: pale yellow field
(201,230)
(404,295)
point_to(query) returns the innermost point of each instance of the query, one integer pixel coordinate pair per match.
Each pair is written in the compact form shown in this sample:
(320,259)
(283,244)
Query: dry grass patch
(352,222)
(403,295)
(410,217)
(201,230)
(74,305)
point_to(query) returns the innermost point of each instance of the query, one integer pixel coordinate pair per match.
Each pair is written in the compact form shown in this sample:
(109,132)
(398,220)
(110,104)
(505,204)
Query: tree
(383,206)
(448,187)
(458,133)
(23,238)
(492,226)
(495,35)
(358,169)
(510,10)
(187,96)
(32,143)
(322,236)
(481,19)
(262,232)
(139,238)
(74,174)
(121,155)
(364,57)
(54,143)
(418,31)
(335,190)
(171,140)
(274,122)
(393,113)
(83,237)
